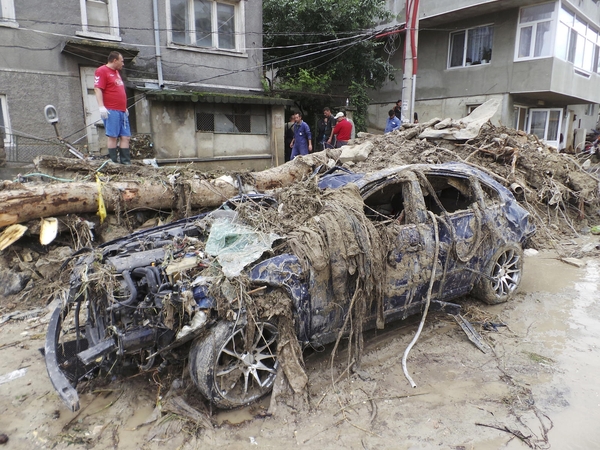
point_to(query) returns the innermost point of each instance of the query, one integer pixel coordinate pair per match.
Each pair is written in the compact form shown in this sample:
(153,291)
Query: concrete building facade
(540,59)
(193,73)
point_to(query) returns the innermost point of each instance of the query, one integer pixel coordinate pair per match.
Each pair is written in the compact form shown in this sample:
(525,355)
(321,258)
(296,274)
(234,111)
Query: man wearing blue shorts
(112,105)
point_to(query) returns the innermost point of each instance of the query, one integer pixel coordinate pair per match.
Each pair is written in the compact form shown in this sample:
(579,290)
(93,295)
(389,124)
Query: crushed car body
(222,291)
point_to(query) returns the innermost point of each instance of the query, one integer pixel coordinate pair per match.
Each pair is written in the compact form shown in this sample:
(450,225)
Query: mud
(537,389)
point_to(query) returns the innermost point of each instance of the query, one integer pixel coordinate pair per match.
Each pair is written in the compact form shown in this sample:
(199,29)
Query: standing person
(393,122)
(302,143)
(324,127)
(289,137)
(112,104)
(398,112)
(342,130)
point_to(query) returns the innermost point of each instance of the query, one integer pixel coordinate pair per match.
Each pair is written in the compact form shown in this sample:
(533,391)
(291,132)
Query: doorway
(90,106)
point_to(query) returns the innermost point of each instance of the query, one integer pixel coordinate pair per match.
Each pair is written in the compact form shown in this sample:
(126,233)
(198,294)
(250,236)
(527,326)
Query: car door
(398,203)
(460,212)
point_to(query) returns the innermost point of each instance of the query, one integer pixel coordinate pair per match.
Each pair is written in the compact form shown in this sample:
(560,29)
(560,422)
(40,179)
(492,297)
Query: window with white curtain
(206,23)
(534,33)
(577,42)
(471,46)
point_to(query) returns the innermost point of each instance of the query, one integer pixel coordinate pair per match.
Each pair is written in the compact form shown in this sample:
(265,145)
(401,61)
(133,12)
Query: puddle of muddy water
(241,415)
(545,273)
(576,427)
(563,314)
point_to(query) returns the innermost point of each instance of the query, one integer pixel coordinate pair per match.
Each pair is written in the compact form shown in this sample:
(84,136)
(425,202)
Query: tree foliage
(324,46)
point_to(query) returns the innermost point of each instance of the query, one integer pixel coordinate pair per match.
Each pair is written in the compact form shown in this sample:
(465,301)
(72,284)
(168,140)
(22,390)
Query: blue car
(204,289)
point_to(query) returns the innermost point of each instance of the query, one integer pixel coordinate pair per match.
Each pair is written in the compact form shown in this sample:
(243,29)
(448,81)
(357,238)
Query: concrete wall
(445,10)
(192,65)
(175,137)
(34,73)
(174,125)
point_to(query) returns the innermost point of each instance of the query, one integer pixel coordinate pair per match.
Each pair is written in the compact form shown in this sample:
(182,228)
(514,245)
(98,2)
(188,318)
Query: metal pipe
(132,292)
(150,277)
(516,188)
(159,72)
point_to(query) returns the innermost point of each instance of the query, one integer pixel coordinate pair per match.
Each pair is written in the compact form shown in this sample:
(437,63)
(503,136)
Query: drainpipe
(410,59)
(159,72)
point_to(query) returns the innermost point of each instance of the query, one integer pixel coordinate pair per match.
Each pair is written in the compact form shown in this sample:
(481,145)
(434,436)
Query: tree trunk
(23,202)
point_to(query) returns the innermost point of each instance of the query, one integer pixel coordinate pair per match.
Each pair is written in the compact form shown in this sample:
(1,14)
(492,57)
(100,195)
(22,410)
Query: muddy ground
(536,389)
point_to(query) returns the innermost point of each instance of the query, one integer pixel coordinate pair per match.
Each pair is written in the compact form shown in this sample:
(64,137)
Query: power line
(304,53)
(130,28)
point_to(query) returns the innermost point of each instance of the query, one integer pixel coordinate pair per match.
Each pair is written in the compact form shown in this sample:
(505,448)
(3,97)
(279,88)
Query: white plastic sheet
(235,245)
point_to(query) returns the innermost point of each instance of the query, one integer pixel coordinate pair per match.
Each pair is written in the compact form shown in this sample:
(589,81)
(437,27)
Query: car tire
(502,275)
(227,375)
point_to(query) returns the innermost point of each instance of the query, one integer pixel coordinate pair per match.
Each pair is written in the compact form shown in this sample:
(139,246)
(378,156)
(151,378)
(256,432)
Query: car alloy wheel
(502,275)
(228,373)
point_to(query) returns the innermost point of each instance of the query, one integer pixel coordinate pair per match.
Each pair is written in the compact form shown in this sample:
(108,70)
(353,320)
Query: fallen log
(49,164)
(23,202)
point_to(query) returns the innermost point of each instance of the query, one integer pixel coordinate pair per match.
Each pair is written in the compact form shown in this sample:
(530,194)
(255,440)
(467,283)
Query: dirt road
(536,389)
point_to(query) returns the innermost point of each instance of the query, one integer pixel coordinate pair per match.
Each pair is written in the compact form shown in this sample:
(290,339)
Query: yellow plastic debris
(48,230)
(101,208)
(11,234)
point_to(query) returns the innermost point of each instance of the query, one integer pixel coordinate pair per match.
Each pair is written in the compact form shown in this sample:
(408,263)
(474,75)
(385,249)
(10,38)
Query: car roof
(337,179)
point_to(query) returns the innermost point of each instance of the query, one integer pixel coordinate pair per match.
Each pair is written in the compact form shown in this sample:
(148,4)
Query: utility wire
(343,45)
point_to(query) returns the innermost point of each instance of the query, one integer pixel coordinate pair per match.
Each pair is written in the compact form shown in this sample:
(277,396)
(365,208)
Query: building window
(520,117)
(471,108)
(99,18)
(545,124)
(590,109)
(205,23)
(577,42)
(5,121)
(470,47)
(232,119)
(7,12)
(534,33)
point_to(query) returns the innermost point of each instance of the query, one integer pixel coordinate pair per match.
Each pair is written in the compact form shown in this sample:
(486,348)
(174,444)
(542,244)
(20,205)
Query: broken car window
(386,204)
(454,194)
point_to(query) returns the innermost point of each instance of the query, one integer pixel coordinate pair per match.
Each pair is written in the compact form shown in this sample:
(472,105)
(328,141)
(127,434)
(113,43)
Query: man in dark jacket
(324,127)
(288,137)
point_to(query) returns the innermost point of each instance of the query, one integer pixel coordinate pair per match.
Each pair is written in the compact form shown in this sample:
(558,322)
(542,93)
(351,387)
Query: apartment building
(540,59)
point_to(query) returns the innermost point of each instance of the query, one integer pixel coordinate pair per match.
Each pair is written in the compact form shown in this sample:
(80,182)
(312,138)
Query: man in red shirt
(112,105)
(342,130)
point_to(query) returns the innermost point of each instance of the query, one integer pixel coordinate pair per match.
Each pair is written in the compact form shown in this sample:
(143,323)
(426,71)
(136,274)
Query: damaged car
(227,291)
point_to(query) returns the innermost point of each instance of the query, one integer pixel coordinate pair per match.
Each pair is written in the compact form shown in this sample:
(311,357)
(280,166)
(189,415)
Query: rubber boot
(112,152)
(125,156)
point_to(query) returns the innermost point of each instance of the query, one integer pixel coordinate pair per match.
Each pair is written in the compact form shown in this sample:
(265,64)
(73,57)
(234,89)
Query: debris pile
(141,146)
(560,194)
